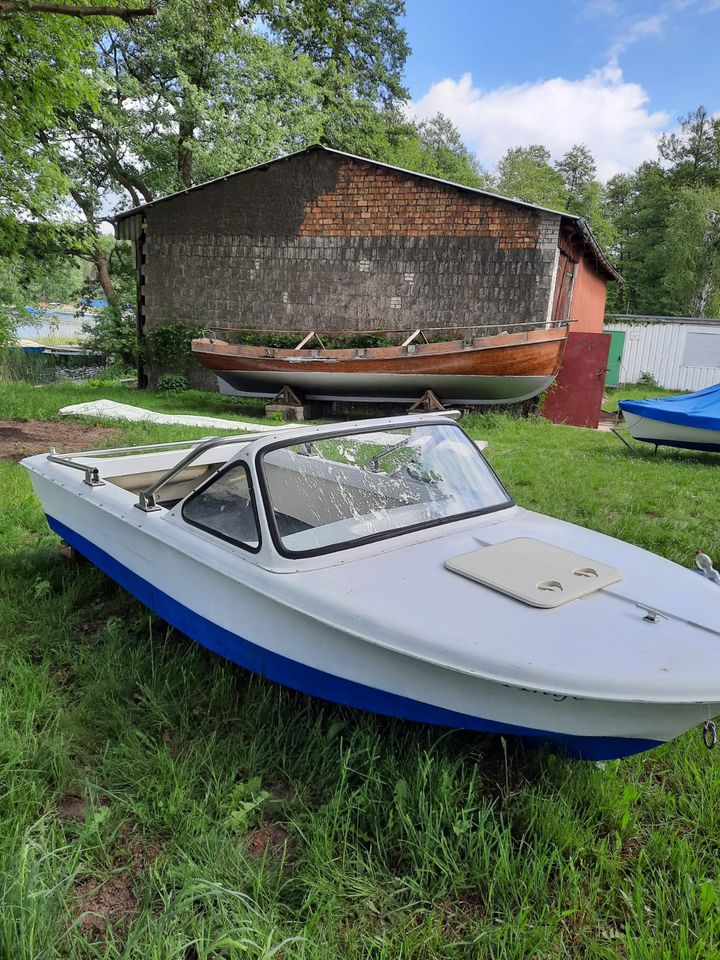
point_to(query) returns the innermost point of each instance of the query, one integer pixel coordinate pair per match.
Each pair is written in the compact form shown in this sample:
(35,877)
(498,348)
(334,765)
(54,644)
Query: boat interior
(172,492)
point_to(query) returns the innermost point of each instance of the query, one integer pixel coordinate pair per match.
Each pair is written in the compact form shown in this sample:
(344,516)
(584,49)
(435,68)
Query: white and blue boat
(382,564)
(690,420)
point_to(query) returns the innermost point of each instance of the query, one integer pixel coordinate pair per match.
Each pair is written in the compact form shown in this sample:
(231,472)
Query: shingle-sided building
(322,240)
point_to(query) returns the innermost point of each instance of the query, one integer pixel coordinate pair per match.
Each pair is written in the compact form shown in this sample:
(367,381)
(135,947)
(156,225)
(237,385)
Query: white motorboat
(381,564)
(689,420)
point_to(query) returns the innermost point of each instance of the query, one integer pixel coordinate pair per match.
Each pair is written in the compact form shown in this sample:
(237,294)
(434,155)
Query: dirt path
(22,438)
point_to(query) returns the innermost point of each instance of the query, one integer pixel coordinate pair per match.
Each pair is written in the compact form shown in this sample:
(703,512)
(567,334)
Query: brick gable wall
(368,201)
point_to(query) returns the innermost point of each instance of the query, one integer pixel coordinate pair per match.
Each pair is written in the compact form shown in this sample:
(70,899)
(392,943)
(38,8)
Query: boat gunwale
(217,347)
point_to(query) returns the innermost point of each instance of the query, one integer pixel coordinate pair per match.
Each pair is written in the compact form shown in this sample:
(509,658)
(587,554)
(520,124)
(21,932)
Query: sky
(610,74)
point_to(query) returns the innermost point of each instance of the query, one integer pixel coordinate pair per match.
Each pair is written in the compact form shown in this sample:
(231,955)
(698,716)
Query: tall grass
(222,816)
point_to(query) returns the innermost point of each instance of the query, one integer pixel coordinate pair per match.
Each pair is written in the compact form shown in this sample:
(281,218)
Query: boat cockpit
(314,490)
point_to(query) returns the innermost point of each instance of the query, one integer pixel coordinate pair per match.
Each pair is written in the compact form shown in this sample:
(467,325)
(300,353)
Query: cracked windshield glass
(336,491)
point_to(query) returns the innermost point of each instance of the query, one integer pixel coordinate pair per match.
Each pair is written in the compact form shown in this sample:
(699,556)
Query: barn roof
(579,223)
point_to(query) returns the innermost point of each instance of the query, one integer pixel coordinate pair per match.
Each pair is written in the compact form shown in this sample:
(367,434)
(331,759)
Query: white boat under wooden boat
(689,420)
(381,564)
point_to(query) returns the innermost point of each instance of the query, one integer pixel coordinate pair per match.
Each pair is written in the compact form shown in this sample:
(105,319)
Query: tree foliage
(101,112)
(528,174)
(693,153)
(689,257)
(435,147)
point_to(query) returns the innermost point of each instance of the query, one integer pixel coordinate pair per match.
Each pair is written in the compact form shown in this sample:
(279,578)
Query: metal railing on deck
(146,498)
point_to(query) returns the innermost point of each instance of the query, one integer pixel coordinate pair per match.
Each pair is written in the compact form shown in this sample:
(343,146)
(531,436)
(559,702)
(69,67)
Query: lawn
(160,803)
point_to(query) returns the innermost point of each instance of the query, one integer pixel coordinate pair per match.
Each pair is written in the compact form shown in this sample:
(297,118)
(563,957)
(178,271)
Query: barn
(323,240)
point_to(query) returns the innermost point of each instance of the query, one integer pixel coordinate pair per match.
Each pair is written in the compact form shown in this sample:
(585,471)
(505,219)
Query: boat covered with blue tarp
(690,420)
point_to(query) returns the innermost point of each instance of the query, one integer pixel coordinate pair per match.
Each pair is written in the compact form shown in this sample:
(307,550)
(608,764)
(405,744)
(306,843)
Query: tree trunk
(185,152)
(103,274)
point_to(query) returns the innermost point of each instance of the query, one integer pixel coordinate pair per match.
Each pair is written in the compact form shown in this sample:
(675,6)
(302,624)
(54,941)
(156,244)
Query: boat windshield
(338,491)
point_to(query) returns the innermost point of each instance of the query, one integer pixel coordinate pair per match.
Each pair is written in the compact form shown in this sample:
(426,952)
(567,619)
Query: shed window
(226,508)
(702,350)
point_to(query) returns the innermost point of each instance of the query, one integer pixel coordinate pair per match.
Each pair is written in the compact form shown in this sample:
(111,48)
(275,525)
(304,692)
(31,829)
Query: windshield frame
(198,491)
(373,537)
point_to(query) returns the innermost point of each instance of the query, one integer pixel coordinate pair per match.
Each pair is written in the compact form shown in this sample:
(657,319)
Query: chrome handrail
(92,471)
(146,498)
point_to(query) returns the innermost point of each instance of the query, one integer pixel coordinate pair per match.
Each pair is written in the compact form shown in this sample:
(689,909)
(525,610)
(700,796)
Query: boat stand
(288,404)
(429,402)
(70,553)
(630,447)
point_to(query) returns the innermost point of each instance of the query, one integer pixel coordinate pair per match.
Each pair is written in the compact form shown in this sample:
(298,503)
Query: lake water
(61,323)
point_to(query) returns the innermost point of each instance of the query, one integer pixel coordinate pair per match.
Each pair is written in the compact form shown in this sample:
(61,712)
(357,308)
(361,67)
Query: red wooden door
(576,396)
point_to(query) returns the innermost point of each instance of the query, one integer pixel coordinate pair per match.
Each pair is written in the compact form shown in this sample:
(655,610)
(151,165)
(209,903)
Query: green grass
(391,841)
(634,392)
(22,401)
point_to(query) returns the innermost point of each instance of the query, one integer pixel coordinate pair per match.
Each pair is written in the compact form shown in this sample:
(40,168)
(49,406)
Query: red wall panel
(576,396)
(588,299)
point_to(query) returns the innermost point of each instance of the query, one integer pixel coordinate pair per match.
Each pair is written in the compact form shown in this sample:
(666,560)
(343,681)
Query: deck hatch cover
(540,574)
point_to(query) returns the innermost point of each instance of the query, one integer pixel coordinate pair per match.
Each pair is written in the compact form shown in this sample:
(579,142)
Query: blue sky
(607,73)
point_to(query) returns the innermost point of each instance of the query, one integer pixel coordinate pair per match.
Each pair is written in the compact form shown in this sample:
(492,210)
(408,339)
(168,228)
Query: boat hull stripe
(310,680)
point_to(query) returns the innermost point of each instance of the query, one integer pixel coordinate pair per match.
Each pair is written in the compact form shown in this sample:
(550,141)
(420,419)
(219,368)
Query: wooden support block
(288,411)
(428,403)
(288,404)
(70,553)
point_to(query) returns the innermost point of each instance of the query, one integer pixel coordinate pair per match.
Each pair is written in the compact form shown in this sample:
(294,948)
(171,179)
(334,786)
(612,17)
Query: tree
(357,42)
(641,207)
(690,254)
(435,147)
(615,201)
(44,64)
(579,173)
(694,153)
(8,7)
(527,173)
(33,267)
(46,72)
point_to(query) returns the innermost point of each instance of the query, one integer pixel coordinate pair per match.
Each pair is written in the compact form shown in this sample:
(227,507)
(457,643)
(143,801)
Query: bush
(7,327)
(169,347)
(113,331)
(172,383)
(648,380)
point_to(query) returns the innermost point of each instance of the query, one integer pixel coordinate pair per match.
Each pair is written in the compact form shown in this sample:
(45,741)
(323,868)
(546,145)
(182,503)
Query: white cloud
(602,110)
(633,32)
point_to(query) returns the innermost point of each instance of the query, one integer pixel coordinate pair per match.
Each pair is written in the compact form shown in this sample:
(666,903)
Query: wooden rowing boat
(504,368)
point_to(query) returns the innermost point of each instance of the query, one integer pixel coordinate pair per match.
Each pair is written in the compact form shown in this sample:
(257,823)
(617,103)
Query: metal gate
(576,396)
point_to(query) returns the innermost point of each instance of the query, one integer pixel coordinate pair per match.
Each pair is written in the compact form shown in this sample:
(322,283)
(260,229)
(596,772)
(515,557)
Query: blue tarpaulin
(700,410)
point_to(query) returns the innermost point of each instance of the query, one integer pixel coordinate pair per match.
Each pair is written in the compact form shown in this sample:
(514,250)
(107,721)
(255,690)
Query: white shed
(681,353)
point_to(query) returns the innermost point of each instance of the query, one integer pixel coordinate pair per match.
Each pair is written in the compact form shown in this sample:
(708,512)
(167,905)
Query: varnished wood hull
(506,368)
